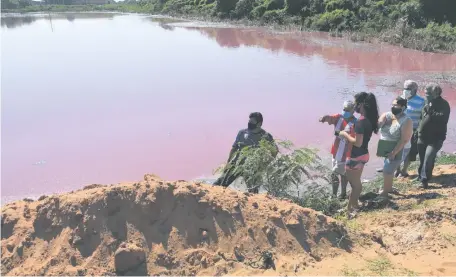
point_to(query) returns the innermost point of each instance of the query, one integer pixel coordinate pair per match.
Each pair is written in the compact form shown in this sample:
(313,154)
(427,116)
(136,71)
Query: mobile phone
(336,133)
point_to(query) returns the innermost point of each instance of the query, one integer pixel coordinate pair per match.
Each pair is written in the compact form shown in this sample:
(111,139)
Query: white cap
(349,105)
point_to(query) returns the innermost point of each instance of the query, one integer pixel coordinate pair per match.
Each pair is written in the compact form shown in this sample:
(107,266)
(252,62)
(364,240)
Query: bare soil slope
(414,235)
(157,227)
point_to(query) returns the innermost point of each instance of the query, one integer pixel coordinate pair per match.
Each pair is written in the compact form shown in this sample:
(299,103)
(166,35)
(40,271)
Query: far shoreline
(386,36)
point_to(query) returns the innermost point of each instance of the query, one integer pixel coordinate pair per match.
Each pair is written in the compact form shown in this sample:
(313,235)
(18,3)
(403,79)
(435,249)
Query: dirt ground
(154,227)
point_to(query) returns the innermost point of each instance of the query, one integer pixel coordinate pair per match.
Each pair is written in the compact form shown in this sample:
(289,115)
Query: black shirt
(362,127)
(434,121)
(247,137)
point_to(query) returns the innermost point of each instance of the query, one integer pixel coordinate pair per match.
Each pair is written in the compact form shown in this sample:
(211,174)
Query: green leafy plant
(283,175)
(244,8)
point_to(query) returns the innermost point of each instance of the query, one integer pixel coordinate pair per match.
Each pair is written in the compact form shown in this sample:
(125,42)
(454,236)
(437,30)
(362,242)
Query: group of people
(414,126)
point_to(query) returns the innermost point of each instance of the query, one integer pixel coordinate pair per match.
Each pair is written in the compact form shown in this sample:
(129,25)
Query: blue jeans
(428,153)
(389,167)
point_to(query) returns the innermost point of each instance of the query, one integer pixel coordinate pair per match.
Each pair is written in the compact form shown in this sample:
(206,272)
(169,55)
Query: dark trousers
(229,176)
(427,152)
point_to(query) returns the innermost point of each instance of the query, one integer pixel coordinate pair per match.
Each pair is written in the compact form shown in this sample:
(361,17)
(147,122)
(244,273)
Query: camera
(336,133)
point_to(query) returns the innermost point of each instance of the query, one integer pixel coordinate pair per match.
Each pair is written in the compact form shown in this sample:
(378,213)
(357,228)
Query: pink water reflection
(108,100)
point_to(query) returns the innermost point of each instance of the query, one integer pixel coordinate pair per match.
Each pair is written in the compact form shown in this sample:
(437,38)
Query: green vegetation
(380,266)
(293,174)
(443,159)
(283,175)
(451,238)
(346,271)
(428,25)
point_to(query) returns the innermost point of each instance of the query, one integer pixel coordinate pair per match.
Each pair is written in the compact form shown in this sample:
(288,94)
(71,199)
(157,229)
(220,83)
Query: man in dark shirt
(431,131)
(246,137)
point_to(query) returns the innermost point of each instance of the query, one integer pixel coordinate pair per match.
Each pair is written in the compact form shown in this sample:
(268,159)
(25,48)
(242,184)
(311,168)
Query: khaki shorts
(338,167)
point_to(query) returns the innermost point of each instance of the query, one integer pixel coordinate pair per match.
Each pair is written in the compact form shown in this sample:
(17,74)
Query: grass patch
(380,266)
(451,238)
(419,205)
(373,185)
(403,186)
(446,159)
(352,225)
(349,272)
(408,272)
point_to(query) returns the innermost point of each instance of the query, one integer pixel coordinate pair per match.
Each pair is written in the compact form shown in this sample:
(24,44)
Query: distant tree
(24,3)
(439,11)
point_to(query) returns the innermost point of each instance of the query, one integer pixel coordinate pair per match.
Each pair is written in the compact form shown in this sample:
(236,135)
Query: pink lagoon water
(106,98)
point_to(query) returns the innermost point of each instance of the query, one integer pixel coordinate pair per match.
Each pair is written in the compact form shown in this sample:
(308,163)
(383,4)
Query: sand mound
(158,227)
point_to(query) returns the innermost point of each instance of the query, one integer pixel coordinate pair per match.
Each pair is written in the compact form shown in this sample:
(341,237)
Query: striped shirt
(341,149)
(414,107)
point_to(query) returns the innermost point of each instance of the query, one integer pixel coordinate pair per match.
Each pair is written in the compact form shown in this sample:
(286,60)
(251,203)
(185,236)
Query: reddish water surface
(107,98)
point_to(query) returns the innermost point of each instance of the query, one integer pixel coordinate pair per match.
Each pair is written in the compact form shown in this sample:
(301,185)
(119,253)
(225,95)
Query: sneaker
(379,170)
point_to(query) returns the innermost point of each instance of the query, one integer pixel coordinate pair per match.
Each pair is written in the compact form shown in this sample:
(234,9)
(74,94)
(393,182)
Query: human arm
(445,118)
(406,136)
(357,139)
(235,147)
(382,119)
(331,119)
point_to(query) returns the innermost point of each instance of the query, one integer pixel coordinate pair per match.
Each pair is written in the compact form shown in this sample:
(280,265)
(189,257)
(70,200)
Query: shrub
(313,7)
(395,15)
(337,20)
(283,175)
(243,8)
(412,12)
(274,16)
(437,37)
(225,6)
(295,6)
(177,6)
(331,5)
(274,4)
(439,11)
(258,12)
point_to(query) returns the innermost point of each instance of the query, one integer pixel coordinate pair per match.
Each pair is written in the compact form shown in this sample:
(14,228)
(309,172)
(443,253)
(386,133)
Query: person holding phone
(396,130)
(340,149)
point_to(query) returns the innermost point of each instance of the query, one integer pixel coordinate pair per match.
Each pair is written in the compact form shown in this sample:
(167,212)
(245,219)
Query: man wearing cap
(415,104)
(431,131)
(341,148)
(245,137)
